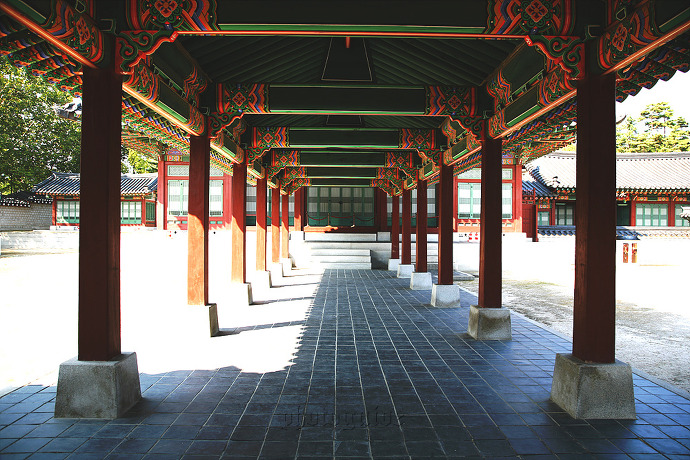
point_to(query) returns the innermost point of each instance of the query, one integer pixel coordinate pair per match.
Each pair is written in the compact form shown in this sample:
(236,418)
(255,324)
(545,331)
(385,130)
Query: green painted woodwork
(351,160)
(335,137)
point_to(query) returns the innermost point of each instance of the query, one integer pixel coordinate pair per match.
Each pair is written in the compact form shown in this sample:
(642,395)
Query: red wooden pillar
(227,201)
(161,210)
(420,249)
(238,272)
(299,202)
(455,204)
(595,218)
(445,224)
(198,220)
(406,256)
(261,224)
(99,220)
(381,216)
(285,227)
(395,228)
(275,225)
(517,197)
(490,225)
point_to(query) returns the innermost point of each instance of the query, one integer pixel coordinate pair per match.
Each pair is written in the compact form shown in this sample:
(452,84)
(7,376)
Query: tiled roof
(68,184)
(634,171)
(529,183)
(24,199)
(622,233)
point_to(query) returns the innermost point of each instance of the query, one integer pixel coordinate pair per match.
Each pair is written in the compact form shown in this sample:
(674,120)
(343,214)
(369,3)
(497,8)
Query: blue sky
(676,92)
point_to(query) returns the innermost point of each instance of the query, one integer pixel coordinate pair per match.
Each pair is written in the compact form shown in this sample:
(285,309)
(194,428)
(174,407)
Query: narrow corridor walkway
(377,373)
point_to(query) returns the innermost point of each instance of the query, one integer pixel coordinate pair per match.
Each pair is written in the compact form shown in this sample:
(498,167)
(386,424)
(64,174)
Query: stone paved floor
(377,373)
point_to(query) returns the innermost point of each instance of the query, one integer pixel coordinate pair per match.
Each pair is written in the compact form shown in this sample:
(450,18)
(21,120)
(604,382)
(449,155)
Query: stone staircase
(343,258)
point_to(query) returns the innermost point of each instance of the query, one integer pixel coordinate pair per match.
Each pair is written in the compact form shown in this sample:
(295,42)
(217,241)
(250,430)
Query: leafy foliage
(657,130)
(138,163)
(34,141)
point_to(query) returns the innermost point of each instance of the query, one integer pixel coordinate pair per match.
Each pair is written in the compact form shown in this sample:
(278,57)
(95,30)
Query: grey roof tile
(68,184)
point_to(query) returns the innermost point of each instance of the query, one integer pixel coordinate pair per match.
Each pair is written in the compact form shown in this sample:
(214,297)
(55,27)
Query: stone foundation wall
(34,217)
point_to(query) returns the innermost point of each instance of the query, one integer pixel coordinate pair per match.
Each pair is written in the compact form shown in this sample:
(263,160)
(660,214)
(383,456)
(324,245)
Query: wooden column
(517,197)
(227,201)
(275,225)
(198,220)
(299,208)
(445,225)
(406,256)
(238,273)
(261,192)
(421,243)
(490,225)
(380,203)
(595,220)
(99,220)
(395,228)
(161,200)
(285,227)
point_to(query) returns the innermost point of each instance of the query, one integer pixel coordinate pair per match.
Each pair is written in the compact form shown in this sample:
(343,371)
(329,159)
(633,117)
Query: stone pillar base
(287,266)
(593,390)
(261,280)
(97,389)
(445,295)
(276,273)
(200,320)
(405,270)
(489,323)
(393,265)
(241,293)
(420,281)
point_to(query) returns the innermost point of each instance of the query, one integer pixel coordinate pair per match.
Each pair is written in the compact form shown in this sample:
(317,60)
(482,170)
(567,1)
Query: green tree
(139,163)
(657,130)
(34,141)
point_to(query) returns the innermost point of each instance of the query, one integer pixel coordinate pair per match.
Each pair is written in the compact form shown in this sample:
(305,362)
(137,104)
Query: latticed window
(469,200)
(67,212)
(507,200)
(130,212)
(565,214)
(178,170)
(150,211)
(178,192)
(339,206)
(680,222)
(543,218)
(651,214)
(215,198)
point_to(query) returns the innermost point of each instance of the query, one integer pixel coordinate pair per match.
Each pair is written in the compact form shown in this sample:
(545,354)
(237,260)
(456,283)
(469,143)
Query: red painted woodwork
(299,200)
(529,220)
(198,220)
(161,198)
(445,224)
(406,253)
(261,192)
(227,201)
(517,198)
(671,213)
(275,225)
(53,212)
(238,273)
(421,237)
(595,219)
(455,205)
(381,222)
(285,227)
(395,228)
(490,229)
(99,236)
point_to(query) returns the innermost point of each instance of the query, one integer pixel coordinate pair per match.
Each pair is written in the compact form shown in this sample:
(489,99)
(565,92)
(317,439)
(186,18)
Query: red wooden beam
(238,273)
(198,220)
(285,227)
(445,224)
(99,236)
(395,228)
(275,225)
(406,257)
(421,243)
(261,192)
(594,321)
(490,225)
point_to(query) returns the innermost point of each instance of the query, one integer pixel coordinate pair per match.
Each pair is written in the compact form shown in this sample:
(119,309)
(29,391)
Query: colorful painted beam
(298,137)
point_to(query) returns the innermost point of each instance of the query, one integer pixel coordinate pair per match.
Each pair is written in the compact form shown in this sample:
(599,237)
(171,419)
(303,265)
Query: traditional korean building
(651,188)
(137,201)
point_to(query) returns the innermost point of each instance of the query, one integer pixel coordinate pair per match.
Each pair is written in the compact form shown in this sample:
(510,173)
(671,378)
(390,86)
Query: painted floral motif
(83,31)
(619,38)
(166,7)
(536,11)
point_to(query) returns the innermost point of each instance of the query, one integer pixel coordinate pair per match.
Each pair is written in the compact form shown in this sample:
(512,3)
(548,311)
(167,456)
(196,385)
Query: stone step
(341,259)
(309,236)
(341,251)
(345,265)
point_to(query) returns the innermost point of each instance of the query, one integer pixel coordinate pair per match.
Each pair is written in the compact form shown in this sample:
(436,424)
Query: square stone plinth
(393,265)
(489,323)
(593,390)
(261,281)
(445,295)
(97,389)
(420,281)
(199,320)
(287,266)
(276,272)
(241,293)
(405,270)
